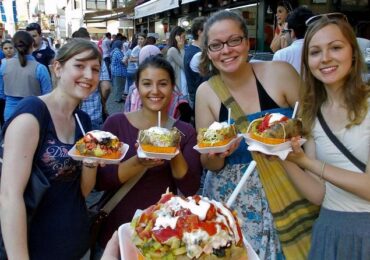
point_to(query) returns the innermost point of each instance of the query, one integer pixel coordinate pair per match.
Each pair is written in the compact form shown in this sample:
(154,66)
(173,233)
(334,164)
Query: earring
(210,67)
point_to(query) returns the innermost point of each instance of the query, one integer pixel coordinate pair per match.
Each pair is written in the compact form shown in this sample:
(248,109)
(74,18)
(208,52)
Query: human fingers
(149,162)
(111,251)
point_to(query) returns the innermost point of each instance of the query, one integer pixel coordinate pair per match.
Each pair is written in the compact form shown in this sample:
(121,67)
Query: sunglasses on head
(287,5)
(333,16)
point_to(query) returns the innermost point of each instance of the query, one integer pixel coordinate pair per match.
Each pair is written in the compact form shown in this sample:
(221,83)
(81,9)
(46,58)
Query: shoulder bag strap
(228,100)
(121,193)
(127,186)
(338,144)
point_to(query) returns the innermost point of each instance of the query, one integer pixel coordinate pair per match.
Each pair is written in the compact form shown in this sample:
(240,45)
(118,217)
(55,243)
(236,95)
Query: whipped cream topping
(218,125)
(158,130)
(223,215)
(275,117)
(100,135)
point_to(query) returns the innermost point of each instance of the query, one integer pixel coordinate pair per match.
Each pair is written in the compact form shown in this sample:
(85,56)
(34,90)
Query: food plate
(151,155)
(129,251)
(281,150)
(216,149)
(78,157)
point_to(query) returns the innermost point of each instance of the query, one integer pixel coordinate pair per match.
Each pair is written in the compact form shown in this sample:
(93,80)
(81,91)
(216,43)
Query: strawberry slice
(265,123)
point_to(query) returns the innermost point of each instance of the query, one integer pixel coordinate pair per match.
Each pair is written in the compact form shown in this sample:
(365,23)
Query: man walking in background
(106,47)
(42,52)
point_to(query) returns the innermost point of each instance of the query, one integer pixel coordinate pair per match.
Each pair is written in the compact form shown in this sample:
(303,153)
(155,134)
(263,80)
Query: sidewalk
(114,107)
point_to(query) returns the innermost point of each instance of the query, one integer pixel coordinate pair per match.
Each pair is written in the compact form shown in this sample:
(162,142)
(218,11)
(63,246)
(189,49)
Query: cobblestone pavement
(112,106)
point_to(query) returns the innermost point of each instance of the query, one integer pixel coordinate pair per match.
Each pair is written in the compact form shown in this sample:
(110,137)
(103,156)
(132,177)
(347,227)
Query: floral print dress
(251,203)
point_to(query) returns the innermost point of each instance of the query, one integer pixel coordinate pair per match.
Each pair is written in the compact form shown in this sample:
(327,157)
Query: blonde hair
(312,91)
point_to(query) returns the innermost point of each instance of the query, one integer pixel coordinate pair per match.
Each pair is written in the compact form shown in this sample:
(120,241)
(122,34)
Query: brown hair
(206,66)
(312,91)
(75,47)
(23,43)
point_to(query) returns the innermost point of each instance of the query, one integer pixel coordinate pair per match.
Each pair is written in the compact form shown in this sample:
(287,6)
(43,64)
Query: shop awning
(106,15)
(155,6)
(187,1)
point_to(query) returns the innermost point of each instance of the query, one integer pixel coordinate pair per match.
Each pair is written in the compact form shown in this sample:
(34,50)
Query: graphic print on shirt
(56,158)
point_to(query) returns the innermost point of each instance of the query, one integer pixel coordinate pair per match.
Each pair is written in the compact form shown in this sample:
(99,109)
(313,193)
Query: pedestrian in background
(106,50)
(193,78)
(132,59)
(296,24)
(8,49)
(22,75)
(42,52)
(118,71)
(281,39)
(175,55)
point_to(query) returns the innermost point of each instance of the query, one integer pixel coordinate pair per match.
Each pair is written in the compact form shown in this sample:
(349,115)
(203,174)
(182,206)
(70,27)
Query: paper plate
(78,157)
(129,251)
(216,149)
(281,150)
(151,155)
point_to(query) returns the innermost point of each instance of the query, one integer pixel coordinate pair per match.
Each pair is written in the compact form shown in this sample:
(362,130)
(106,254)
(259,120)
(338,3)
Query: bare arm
(88,178)
(206,112)
(275,44)
(18,156)
(134,166)
(350,181)
(307,182)
(277,41)
(179,167)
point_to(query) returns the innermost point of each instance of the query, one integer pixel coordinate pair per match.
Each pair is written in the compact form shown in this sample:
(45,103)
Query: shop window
(356,3)
(96,4)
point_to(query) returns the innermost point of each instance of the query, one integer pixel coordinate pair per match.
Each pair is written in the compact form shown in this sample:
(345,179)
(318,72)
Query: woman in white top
(175,55)
(332,84)
(131,58)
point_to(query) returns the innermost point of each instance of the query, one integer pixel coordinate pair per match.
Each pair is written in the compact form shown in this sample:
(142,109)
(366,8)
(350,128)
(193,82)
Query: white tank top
(357,141)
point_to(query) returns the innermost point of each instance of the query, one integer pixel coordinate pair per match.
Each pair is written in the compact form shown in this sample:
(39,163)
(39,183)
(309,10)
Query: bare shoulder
(280,80)
(207,105)
(276,68)
(277,71)
(206,93)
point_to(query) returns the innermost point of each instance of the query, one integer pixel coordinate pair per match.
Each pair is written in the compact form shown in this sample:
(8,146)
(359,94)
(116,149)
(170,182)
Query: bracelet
(322,171)
(89,165)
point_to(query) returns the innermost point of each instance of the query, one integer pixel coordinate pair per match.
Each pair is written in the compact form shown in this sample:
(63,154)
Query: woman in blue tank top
(59,227)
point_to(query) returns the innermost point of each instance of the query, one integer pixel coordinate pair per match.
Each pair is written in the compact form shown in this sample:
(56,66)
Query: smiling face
(228,59)
(330,56)
(77,76)
(8,50)
(155,88)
